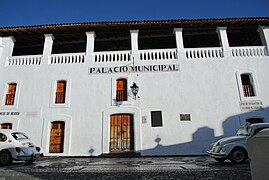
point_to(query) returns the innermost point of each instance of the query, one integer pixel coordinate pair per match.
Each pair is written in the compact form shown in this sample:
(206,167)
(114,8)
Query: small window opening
(247,84)
(60,92)
(156,119)
(10,96)
(6,126)
(121,91)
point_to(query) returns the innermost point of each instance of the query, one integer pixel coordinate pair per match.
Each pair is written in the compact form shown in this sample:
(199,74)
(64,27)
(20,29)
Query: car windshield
(19,136)
(244,131)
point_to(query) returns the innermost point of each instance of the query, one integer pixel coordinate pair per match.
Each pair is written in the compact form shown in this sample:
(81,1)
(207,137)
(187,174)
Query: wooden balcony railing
(121,95)
(10,99)
(60,98)
(248,90)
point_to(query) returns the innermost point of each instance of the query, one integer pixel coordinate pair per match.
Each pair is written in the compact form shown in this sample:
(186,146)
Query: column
(90,45)
(179,43)
(1,47)
(224,41)
(6,48)
(264,34)
(134,45)
(47,46)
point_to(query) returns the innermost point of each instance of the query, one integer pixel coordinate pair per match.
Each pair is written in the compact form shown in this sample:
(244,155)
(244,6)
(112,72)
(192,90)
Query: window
(10,96)
(254,120)
(6,126)
(156,119)
(247,85)
(19,136)
(60,92)
(121,90)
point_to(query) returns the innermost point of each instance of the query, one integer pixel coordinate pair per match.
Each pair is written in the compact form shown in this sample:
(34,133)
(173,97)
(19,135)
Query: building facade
(168,87)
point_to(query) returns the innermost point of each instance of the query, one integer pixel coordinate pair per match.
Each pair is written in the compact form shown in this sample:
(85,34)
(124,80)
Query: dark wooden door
(56,137)
(121,133)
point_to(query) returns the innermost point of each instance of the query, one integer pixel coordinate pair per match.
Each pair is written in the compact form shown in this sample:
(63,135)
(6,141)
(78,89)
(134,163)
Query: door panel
(56,137)
(121,133)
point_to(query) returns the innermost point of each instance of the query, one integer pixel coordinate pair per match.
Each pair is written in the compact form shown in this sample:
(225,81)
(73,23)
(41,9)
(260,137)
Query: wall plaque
(185,117)
(251,105)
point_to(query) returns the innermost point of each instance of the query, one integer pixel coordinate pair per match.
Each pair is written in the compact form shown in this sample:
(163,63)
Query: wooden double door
(57,137)
(121,133)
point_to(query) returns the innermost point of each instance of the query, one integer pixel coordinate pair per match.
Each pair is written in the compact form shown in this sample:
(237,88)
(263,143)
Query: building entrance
(57,137)
(121,133)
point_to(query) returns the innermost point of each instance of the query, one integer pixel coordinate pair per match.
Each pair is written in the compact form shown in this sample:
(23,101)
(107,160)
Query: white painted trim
(17,95)
(67,93)
(137,126)
(114,88)
(67,134)
(255,85)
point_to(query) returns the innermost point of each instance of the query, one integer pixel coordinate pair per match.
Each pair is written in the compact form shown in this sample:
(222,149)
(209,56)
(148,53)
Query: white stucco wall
(207,89)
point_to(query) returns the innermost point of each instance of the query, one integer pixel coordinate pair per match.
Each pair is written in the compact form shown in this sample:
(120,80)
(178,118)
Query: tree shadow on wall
(204,136)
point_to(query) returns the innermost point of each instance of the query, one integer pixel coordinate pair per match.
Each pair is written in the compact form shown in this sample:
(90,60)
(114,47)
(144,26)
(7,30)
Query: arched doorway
(57,137)
(121,133)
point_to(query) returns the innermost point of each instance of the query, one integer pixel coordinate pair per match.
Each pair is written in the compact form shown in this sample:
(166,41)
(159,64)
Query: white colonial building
(165,87)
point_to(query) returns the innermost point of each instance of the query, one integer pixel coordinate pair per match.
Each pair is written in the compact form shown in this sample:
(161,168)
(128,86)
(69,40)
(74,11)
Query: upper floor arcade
(103,42)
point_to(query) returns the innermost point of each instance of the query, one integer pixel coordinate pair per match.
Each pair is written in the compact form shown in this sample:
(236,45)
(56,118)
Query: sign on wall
(250,105)
(144,119)
(185,117)
(134,69)
(7,113)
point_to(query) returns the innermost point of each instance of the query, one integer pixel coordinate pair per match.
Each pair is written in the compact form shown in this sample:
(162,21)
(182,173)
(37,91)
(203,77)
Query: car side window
(3,137)
(257,130)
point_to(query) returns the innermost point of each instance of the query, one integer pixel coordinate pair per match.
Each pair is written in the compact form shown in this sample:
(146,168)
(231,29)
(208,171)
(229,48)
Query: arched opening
(57,137)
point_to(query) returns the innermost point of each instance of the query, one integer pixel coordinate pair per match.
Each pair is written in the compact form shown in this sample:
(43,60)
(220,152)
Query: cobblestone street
(200,167)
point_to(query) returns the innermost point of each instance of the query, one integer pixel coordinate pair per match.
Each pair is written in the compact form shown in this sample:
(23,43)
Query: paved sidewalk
(200,167)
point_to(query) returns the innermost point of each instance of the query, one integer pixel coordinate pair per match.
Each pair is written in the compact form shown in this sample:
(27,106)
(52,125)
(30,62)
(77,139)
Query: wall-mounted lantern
(134,90)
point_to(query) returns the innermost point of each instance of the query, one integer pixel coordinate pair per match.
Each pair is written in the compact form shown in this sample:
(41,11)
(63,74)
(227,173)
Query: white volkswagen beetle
(16,145)
(234,148)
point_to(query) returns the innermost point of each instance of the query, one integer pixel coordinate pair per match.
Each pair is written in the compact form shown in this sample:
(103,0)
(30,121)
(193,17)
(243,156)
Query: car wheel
(238,155)
(220,159)
(5,158)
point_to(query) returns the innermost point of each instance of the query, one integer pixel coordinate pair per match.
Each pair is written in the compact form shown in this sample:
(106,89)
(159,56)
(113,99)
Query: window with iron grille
(247,85)
(121,90)
(10,96)
(60,92)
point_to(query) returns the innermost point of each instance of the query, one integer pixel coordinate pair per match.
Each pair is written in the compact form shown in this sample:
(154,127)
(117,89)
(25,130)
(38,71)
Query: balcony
(144,55)
(140,46)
